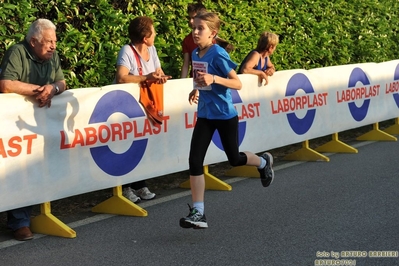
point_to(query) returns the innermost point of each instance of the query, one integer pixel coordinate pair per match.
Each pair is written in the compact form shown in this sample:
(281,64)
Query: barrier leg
(336,146)
(47,224)
(306,154)
(377,135)
(211,182)
(119,205)
(394,129)
(243,171)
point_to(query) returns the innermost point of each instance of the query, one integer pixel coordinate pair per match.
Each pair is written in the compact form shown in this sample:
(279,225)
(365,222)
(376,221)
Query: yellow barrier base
(394,129)
(336,146)
(306,154)
(119,205)
(47,224)
(243,171)
(377,135)
(211,182)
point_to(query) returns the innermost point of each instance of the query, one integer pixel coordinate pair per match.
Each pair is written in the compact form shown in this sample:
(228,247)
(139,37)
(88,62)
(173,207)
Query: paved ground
(314,212)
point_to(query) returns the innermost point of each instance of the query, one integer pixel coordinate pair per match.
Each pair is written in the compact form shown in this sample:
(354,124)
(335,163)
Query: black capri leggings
(202,136)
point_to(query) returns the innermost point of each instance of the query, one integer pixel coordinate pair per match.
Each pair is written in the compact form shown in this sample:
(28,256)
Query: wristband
(57,90)
(213,79)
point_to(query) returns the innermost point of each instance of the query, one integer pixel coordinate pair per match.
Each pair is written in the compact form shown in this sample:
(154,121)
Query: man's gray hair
(37,28)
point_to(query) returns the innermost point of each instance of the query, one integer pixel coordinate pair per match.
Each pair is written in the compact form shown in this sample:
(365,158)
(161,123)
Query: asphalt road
(339,212)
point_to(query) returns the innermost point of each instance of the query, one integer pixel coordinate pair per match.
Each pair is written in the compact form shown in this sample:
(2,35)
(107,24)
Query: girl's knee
(239,160)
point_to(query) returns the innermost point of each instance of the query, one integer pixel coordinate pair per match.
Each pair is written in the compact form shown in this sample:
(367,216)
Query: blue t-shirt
(216,103)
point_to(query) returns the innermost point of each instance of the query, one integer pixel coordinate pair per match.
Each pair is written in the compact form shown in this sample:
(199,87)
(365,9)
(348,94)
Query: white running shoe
(144,193)
(129,194)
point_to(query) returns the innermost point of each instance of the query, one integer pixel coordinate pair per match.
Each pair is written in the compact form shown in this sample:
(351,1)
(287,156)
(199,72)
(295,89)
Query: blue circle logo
(396,77)
(112,163)
(241,125)
(358,113)
(300,125)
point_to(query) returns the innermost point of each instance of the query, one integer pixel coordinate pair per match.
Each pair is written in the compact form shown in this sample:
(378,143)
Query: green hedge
(313,33)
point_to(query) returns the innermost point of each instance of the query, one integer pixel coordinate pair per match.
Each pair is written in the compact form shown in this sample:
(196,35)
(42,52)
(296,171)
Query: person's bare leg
(196,218)
(252,159)
(197,184)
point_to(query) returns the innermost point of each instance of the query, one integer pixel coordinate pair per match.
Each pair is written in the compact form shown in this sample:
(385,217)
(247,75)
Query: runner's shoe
(128,193)
(194,220)
(267,173)
(144,193)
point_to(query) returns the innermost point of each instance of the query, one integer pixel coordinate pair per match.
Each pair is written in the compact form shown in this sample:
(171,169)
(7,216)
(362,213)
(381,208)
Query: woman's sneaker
(267,173)
(194,220)
(128,193)
(144,193)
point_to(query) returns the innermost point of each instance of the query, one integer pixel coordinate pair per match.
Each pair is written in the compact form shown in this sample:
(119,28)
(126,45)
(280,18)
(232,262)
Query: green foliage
(312,33)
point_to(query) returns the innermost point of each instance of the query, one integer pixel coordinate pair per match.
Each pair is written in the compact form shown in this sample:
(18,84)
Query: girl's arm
(233,81)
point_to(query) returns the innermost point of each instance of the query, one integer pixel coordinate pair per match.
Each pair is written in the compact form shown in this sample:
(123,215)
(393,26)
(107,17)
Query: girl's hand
(193,97)
(203,79)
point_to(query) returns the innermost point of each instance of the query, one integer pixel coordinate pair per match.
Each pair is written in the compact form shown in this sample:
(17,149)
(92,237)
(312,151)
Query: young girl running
(214,76)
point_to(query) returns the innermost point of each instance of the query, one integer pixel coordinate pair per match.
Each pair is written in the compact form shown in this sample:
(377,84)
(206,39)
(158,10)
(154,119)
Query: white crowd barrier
(96,138)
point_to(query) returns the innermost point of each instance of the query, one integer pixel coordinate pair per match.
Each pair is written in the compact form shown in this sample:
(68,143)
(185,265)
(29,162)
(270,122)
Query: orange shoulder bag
(151,96)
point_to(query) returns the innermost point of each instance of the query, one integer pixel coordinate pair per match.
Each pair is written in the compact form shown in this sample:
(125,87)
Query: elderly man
(32,68)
